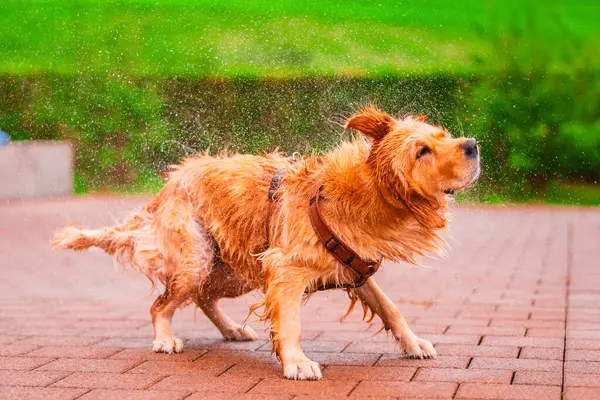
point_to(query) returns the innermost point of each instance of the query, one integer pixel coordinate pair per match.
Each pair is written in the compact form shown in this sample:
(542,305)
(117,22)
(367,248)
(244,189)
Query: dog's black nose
(470,146)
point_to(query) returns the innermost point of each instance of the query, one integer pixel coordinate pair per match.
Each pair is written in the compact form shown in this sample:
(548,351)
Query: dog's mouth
(468,184)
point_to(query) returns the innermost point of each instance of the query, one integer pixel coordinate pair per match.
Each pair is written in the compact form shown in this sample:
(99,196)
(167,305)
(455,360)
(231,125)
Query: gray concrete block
(36,169)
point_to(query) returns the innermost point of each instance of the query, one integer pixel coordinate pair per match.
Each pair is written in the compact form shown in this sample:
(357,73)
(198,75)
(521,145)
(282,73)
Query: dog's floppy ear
(427,212)
(372,122)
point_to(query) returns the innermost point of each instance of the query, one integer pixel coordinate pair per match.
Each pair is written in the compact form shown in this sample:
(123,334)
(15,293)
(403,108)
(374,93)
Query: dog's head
(417,164)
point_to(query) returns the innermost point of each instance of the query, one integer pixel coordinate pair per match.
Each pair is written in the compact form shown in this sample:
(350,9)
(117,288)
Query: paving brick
(578,393)
(470,350)
(17,349)
(144,333)
(73,352)
(223,344)
(581,367)
(149,355)
(392,360)
(460,321)
(573,379)
(22,363)
(47,330)
(89,365)
(108,380)
(320,346)
(335,372)
(178,367)
(487,330)
(463,375)
(200,383)
(424,329)
(546,332)
(123,342)
(454,339)
(522,341)
(38,393)
(30,378)
(516,364)
(102,323)
(523,314)
(591,344)
(246,396)
(583,355)
(231,357)
(335,326)
(344,358)
(542,353)
(366,336)
(528,323)
(548,315)
(24,320)
(502,391)
(411,390)
(253,370)
(538,378)
(96,341)
(103,394)
(372,347)
(60,340)
(583,334)
(322,387)
(583,325)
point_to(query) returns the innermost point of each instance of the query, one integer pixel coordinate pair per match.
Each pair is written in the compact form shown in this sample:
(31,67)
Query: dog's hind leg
(162,313)
(222,283)
(177,293)
(188,252)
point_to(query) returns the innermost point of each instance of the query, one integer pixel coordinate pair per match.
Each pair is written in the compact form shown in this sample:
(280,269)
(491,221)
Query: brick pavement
(513,312)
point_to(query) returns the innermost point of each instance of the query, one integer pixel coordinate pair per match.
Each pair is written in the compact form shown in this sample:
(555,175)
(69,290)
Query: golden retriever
(213,232)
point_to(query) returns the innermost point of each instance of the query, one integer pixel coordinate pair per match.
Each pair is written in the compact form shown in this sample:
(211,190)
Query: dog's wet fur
(385,194)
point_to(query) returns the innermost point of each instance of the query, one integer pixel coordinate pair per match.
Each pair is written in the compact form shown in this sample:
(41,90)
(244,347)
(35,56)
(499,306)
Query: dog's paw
(414,347)
(303,370)
(240,333)
(167,345)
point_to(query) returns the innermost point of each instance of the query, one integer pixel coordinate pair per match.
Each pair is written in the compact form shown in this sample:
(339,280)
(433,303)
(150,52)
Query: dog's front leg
(282,306)
(414,347)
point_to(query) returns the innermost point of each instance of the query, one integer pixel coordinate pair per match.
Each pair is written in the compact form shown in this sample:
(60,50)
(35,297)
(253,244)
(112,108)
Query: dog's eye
(424,150)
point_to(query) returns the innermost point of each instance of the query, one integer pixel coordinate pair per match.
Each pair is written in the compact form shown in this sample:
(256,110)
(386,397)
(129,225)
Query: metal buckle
(334,248)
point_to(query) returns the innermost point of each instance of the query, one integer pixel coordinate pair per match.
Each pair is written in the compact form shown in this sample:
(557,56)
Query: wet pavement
(513,312)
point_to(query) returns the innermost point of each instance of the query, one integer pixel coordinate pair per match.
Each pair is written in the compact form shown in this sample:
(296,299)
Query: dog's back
(226,196)
(229,195)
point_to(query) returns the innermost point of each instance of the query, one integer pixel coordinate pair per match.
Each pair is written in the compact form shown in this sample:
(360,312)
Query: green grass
(283,38)
(575,193)
(523,77)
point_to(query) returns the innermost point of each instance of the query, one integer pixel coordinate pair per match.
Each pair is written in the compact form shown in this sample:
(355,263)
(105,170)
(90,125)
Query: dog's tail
(131,243)
(111,239)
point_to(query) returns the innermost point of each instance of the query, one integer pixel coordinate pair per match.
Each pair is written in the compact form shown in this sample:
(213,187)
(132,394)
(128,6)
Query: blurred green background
(138,85)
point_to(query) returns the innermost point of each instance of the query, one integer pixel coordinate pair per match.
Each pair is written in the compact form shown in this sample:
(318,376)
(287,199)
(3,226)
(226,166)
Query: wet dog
(214,232)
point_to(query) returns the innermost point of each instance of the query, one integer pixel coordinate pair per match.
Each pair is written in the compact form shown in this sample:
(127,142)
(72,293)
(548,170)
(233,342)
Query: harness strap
(273,187)
(275,184)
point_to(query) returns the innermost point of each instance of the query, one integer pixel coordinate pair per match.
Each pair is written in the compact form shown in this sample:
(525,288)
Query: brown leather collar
(361,269)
